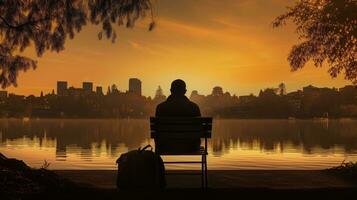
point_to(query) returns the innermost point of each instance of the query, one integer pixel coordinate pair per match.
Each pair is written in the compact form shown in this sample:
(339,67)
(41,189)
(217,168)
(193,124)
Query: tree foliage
(328,33)
(47,24)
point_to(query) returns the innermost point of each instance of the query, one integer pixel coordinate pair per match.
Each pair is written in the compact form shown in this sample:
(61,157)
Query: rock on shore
(18,179)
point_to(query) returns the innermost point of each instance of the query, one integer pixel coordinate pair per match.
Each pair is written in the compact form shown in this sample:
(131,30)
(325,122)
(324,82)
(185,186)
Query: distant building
(246,99)
(310,89)
(87,86)
(159,92)
(282,89)
(196,97)
(135,86)
(295,101)
(159,95)
(3,95)
(315,90)
(268,92)
(194,93)
(217,91)
(17,97)
(99,90)
(61,88)
(114,89)
(75,92)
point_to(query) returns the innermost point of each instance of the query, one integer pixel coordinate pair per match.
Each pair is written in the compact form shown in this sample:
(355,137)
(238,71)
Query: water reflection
(98,142)
(82,136)
(284,135)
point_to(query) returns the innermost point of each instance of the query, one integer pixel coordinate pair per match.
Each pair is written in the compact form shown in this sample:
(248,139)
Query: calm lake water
(235,144)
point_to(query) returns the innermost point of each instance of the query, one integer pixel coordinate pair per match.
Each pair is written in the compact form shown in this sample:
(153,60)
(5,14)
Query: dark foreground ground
(285,184)
(238,184)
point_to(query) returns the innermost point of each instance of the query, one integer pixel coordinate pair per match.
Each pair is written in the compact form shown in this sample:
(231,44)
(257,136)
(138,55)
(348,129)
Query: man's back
(177,106)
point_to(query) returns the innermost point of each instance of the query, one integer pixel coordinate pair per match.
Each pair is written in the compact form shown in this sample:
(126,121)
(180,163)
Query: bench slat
(181,127)
(181,120)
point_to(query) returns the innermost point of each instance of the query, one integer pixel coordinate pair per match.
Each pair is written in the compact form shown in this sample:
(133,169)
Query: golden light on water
(236,144)
(98,157)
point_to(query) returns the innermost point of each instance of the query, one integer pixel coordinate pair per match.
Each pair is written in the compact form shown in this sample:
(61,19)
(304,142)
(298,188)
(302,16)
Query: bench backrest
(181,128)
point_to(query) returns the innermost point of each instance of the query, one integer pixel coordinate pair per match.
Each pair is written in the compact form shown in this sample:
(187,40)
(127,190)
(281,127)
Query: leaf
(152,25)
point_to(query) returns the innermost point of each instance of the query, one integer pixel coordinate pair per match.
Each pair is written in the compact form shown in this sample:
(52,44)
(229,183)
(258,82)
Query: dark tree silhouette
(46,24)
(328,30)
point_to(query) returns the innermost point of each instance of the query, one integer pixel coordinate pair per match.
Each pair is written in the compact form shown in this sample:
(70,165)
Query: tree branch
(34,22)
(30,22)
(7,23)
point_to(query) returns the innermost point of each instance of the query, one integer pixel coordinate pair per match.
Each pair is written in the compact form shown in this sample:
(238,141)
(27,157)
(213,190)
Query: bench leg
(206,173)
(202,173)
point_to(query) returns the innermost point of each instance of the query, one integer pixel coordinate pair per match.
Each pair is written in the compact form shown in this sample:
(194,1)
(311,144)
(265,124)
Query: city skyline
(166,91)
(274,102)
(86,86)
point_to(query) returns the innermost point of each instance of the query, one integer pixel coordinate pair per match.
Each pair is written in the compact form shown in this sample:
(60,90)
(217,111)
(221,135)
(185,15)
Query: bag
(140,169)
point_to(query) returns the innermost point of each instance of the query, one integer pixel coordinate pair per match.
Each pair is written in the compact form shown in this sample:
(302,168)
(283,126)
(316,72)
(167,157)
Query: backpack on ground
(140,168)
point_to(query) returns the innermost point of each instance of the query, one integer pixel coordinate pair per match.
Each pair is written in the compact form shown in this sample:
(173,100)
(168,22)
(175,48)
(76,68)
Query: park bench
(171,136)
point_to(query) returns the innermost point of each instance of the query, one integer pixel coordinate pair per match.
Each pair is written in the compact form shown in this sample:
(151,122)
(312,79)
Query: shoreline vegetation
(346,169)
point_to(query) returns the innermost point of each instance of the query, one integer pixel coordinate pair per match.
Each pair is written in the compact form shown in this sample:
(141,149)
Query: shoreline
(147,118)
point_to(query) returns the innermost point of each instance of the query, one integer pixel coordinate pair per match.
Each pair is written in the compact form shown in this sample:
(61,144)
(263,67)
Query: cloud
(143,47)
(227,24)
(135,45)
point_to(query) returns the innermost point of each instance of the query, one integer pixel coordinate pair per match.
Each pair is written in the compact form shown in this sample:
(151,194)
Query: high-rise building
(61,88)
(87,86)
(99,90)
(135,86)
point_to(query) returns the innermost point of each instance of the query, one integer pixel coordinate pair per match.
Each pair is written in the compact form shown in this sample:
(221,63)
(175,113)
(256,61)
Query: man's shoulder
(160,109)
(195,109)
(164,103)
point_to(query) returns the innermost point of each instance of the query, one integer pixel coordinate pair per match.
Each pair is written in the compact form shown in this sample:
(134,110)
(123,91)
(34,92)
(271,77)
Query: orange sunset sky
(227,43)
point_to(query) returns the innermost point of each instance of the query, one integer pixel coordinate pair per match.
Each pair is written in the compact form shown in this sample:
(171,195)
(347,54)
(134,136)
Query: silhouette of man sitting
(178,105)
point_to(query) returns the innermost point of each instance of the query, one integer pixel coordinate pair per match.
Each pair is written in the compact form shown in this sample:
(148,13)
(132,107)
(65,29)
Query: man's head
(178,87)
